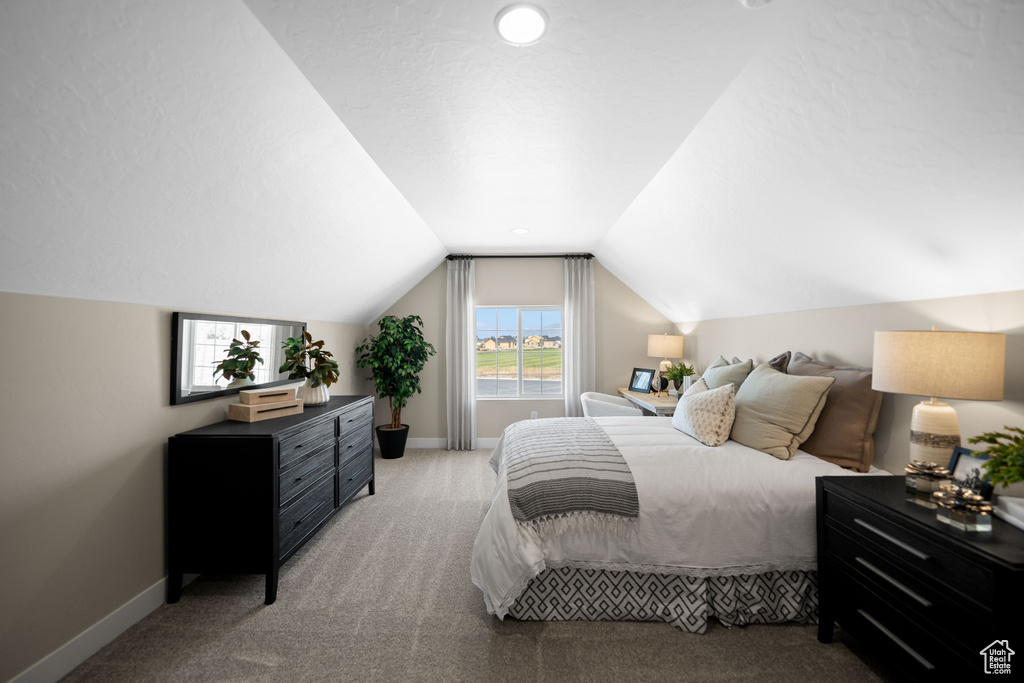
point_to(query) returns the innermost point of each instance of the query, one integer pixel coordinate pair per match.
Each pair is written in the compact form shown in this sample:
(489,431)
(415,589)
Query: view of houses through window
(518,351)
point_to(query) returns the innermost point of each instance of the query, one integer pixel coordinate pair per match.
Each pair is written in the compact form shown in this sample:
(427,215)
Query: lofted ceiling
(315,159)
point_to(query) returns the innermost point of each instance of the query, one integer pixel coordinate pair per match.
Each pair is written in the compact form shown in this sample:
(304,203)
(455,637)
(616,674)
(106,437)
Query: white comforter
(703,512)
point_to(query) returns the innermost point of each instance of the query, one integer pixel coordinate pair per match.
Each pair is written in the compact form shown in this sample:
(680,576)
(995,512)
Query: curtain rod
(455,257)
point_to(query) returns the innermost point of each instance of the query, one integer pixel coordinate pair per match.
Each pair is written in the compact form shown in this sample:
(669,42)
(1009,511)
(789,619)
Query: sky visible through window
(518,351)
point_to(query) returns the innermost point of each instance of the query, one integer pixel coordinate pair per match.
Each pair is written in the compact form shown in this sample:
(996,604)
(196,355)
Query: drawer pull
(895,541)
(893,581)
(893,637)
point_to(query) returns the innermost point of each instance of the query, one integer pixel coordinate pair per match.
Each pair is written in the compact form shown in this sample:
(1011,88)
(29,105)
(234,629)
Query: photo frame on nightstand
(967,472)
(641,380)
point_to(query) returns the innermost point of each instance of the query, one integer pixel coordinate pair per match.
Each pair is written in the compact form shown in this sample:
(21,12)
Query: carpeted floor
(383,594)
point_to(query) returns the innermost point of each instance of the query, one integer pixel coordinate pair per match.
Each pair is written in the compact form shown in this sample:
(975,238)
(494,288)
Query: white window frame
(519,353)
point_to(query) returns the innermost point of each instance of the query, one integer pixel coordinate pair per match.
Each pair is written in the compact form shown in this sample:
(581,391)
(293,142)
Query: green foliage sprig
(305,358)
(396,356)
(676,373)
(241,360)
(1005,464)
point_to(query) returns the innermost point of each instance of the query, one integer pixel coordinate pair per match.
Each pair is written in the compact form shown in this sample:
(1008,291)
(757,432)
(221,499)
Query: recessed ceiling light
(520,231)
(521,24)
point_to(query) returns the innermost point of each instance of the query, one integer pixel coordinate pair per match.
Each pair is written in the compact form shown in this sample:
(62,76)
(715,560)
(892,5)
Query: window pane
(531,320)
(486,318)
(486,387)
(552,320)
(508,318)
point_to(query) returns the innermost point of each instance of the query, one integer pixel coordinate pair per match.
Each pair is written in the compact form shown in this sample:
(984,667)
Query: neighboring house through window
(506,368)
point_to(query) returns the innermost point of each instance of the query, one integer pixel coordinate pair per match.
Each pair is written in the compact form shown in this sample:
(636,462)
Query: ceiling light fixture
(521,24)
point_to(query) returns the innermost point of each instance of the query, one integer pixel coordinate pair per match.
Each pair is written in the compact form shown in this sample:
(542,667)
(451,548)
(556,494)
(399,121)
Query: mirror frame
(178,319)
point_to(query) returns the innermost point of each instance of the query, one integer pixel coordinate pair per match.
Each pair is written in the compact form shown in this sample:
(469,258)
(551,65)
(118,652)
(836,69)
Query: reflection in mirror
(199,342)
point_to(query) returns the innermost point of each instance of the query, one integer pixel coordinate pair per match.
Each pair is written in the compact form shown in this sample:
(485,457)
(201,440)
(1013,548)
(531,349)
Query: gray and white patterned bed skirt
(686,602)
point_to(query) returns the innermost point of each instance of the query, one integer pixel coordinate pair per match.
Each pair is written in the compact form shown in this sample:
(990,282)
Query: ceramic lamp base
(934,432)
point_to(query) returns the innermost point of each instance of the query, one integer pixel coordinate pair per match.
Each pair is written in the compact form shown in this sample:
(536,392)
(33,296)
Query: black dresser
(243,497)
(928,598)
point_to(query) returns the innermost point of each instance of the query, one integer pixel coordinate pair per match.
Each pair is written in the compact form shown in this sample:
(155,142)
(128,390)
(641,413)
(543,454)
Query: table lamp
(960,365)
(664,346)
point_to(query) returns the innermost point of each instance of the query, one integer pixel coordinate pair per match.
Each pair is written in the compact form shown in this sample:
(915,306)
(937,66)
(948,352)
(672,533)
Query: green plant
(241,360)
(1005,452)
(301,353)
(395,358)
(676,373)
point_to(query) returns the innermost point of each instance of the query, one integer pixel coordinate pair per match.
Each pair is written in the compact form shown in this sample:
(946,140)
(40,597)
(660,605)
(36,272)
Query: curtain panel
(578,347)
(460,355)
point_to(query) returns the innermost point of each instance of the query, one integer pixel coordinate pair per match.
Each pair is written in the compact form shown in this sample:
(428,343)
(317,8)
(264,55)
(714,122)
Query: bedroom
(137,142)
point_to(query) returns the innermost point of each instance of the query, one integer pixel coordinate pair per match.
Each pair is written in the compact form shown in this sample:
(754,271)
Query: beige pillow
(706,414)
(720,373)
(775,412)
(844,434)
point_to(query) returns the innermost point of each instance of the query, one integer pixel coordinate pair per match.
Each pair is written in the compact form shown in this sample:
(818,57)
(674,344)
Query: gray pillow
(776,412)
(844,434)
(720,373)
(780,362)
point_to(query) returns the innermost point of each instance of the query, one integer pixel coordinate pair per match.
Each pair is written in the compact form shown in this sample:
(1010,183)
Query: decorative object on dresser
(242,498)
(927,598)
(960,365)
(1005,455)
(641,379)
(395,358)
(664,346)
(265,404)
(300,353)
(199,340)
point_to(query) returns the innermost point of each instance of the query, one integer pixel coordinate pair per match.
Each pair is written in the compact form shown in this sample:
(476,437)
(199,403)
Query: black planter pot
(392,441)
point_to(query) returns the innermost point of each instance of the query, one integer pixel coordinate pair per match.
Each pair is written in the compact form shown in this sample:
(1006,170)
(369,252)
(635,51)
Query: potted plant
(306,359)
(395,358)
(241,361)
(1005,464)
(679,374)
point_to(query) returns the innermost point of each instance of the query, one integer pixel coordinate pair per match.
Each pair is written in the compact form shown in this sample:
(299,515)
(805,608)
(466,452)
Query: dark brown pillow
(845,431)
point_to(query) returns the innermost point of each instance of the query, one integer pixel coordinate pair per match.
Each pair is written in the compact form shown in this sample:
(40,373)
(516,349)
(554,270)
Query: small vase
(313,396)
(240,382)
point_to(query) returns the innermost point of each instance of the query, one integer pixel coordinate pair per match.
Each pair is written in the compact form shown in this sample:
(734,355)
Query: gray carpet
(383,594)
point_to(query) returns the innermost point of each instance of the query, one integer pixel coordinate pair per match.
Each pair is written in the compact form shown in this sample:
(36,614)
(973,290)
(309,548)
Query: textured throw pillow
(720,373)
(706,414)
(845,431)
(775,412)
(780,362)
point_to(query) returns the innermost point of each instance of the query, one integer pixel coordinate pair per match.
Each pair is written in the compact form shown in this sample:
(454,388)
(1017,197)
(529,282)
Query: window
(518,351)
(210,341)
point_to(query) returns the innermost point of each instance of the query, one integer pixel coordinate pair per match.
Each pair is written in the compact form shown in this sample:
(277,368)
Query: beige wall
(846,336)
(623,321)
(84,419)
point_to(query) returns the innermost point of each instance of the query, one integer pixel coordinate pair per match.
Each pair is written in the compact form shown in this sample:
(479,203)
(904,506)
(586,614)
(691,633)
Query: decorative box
(271,395)
(243,412)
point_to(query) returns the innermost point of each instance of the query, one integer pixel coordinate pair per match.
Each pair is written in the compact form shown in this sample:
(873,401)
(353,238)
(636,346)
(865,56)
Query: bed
(725,532)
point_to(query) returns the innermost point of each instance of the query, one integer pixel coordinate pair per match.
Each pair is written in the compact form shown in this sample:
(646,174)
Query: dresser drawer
(304,473)
(351,420)
(305,513)
(921,555)
(311,439)
(899,638)
(353,444)
(355,475)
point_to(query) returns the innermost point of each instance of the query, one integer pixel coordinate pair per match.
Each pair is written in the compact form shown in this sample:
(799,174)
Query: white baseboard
(64,659)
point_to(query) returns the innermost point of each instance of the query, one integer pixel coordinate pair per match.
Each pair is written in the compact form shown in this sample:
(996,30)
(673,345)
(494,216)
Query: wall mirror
(198,343)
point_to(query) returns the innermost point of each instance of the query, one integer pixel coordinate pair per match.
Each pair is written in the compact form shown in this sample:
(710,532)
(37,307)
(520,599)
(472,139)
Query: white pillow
(706,414)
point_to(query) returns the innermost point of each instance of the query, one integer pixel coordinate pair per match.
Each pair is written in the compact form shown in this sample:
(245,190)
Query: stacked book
(265,404)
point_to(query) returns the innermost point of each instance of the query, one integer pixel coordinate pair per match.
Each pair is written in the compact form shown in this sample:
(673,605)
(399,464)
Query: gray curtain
(460,345)
(578,347)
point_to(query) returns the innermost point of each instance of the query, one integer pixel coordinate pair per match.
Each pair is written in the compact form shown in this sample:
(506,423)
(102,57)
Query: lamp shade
(940,364)
(665,345)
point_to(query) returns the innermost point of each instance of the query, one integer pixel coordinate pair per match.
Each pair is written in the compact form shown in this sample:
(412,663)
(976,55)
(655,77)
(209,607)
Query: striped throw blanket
(565,474)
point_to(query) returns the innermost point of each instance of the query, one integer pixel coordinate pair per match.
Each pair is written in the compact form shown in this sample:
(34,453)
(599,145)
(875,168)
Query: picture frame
(967,472)
(641,380)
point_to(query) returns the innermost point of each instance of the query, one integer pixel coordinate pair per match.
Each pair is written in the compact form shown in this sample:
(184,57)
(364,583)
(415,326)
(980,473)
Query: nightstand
(926,597)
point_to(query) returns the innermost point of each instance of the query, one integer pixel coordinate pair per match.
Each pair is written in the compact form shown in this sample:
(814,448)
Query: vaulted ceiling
(315,159)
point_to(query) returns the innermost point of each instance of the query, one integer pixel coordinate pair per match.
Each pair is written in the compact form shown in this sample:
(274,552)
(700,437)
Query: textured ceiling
(720,160)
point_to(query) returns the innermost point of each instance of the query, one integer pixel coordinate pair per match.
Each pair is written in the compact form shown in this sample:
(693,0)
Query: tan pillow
(720,373)
(706,414)
(775,412)
(844,434)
